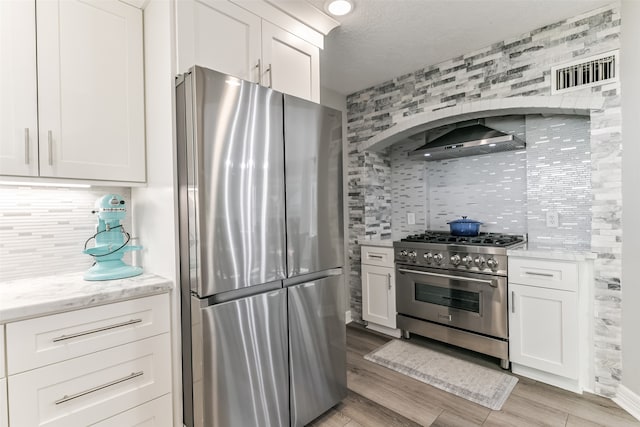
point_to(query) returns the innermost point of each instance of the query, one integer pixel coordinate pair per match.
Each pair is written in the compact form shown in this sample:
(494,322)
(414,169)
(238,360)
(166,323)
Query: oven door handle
(448,276)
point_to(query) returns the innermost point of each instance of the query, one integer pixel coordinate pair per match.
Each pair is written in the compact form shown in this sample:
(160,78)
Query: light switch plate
(552,219)
(411,218)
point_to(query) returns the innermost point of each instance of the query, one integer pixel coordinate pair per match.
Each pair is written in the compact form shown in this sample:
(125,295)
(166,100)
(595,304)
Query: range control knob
(413,255)
(403,253)
(438,258)
(492,263)
(479,262)
(428,257)
(467,260)
(455,259)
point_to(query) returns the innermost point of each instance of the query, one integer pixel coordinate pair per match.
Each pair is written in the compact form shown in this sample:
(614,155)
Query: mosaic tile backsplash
(509,192)
(43,229)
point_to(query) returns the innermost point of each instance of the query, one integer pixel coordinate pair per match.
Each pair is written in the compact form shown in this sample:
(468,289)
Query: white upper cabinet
(292,65)
(225,37)
(90,90)
(18,90)
(219,35)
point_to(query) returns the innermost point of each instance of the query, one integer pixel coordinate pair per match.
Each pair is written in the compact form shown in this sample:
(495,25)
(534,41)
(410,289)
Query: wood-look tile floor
(381,397)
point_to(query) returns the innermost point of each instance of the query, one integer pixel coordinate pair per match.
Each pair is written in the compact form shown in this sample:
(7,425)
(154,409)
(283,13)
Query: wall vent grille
(585,73)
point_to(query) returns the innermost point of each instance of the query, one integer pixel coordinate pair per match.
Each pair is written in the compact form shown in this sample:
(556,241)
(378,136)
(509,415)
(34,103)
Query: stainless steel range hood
(467,139)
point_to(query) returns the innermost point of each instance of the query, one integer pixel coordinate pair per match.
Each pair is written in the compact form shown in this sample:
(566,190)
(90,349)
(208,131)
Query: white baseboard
(384,330)
(628,400)
(347,317)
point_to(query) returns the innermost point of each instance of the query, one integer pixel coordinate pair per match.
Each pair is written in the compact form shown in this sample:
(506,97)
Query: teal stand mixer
(111,242)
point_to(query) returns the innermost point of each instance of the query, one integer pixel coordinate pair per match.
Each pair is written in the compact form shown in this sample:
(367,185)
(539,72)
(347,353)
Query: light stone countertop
(378,243)
(545,251)
(26,298)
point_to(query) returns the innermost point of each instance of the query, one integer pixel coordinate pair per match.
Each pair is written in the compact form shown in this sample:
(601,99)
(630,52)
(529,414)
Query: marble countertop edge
(27,298)
(555,253)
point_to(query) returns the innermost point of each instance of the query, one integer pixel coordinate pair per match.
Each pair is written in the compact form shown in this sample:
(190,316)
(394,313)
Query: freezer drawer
(317,348)
(240,372)
(313,169)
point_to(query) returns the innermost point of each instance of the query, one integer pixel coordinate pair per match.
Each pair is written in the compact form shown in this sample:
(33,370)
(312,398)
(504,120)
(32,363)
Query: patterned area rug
(472,382)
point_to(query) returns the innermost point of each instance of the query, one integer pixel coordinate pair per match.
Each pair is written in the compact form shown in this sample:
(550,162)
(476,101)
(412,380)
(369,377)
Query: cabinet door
(220,36)
(18,90)
(543,329)
(90,90)
(379,295)
(292,64)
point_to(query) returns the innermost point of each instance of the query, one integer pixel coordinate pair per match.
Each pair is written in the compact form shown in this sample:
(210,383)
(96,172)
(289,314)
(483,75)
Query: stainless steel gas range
(454,289)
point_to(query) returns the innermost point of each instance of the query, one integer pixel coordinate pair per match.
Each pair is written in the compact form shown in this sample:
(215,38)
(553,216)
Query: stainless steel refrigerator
(261,253)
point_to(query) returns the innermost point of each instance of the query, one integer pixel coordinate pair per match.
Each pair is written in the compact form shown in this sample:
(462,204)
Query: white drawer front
(45,340)
(543,273)
(156,413)
(4,408)
(1,351)
(373,255)
(91,388)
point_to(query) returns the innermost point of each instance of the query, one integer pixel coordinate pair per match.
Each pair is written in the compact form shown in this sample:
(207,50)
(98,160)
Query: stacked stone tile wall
(517,67)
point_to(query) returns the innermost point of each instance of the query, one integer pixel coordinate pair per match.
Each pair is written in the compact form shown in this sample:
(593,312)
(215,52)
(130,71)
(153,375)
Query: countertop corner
(545,251)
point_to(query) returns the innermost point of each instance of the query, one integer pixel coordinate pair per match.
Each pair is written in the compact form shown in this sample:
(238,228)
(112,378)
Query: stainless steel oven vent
(467,139)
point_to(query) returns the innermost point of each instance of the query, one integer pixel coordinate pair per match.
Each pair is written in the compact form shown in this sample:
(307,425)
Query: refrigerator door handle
(311,277)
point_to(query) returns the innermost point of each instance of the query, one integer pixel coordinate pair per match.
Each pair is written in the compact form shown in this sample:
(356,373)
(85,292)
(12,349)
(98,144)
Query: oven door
(473,302)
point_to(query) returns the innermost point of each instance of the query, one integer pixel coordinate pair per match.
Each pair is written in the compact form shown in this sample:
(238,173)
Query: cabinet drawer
(544,273)
(156,413)
(1,351)
(45,340)
(91,388)
(4,408)
(374,255)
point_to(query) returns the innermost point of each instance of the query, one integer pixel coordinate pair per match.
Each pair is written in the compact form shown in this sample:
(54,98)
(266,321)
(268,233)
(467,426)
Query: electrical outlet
(411,218)
(552,219)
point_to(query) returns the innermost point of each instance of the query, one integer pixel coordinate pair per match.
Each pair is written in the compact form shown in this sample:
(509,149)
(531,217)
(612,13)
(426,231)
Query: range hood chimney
(467,139)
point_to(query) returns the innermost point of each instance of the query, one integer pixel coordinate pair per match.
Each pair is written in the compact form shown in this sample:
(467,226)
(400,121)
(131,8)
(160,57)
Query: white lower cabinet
(379,289)
(544,329)
(156,413)
(549,321)
(378,295)
(107,365)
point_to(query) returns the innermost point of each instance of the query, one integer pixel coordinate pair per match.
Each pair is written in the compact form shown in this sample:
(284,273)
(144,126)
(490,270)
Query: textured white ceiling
(382,39)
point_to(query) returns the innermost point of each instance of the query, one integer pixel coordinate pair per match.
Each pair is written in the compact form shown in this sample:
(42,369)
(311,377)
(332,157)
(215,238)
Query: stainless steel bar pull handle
(270,71)
(50,141)
(259,67)
(448,276)
(66,398)
(389,280)
(533,273)
(513,302)
(93,331)
(375,256)
(26,146)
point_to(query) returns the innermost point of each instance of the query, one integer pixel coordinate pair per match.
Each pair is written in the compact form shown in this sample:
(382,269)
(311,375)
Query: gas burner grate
(483,239)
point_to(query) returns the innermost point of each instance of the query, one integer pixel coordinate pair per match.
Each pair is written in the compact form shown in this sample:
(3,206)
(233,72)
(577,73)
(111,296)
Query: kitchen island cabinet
(91,353)
(379,289)
(549,318)
(225,37)
(90,91)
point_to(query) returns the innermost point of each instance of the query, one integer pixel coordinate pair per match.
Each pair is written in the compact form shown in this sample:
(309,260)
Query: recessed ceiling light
(338,7)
